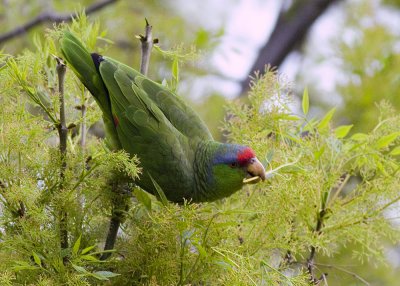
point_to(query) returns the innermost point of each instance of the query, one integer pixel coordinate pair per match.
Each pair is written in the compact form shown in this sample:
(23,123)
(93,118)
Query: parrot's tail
(82,63)
(85,66)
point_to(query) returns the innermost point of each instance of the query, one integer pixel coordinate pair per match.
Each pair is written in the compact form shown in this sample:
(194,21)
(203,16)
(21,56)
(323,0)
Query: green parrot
(174,146)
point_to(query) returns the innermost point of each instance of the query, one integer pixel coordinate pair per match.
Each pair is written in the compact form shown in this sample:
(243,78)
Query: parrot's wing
(81,62)
(181,116)
(144,129)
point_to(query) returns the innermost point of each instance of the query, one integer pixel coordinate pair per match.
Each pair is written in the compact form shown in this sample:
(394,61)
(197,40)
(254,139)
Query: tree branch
(51,17)
(82,140)
(63,134)
(311,259)
(290,30)
(147,45)
(120,206)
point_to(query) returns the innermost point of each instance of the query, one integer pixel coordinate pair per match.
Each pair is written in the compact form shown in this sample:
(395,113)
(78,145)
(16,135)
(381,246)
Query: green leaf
(269,156)
(107,274)
(23,265)
(161,195)
(223,264)
(202,252)
(343,130)
(37,259)
(44,98)
(289,117)
(318,153)
(359,137)
(104,275)
(89,258)
(202,38)
(395,151)
(175,69)
(310,126)
(80,269)
(76,246)
(143,197)
(87,249)
(385,141)
(325,121)
(305,102)
(187,234)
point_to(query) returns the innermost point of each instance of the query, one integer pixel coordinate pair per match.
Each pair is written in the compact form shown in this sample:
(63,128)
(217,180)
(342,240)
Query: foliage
(357,64)
(33,192)
(332,190)
(367,69)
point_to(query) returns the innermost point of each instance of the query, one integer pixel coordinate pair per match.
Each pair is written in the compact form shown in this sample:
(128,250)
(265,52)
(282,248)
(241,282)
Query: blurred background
(345,51)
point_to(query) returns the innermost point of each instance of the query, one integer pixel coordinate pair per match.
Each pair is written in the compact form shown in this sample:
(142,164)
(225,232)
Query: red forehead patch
(245,155)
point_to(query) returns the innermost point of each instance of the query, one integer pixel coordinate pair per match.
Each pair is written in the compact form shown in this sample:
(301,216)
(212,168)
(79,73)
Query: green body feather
(145,118)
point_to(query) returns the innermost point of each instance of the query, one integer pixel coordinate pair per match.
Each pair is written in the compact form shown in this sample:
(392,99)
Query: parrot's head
(232,167)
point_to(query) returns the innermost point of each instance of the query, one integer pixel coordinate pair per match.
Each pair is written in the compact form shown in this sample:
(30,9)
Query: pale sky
(247,24)
(246,27)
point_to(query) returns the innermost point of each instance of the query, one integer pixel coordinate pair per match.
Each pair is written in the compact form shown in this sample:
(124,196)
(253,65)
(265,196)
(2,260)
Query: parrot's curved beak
(255,171)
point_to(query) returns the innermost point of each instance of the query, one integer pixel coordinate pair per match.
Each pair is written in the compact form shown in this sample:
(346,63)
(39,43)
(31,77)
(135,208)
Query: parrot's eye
(233,165)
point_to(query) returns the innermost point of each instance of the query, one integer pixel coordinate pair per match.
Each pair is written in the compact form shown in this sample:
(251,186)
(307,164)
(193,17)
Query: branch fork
(147,43)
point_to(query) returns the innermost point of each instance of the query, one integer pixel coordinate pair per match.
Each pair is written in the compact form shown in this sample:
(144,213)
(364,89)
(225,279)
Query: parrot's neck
(207,187)
(202,168)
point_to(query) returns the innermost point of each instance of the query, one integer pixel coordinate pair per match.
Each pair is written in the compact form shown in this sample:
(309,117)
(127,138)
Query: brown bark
(290,30)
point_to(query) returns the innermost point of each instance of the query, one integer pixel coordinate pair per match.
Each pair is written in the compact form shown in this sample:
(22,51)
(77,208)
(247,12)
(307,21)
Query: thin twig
(121,205)
(339,189)
(21,210)
(61,69)
(286,278)
(311,258)
(63,134)
(358,277)
(272,172)
(147,45)
(51,17)
(83,132)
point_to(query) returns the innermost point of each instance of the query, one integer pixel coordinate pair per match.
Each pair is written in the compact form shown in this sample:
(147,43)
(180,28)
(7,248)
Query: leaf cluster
(37,184)
(326,189)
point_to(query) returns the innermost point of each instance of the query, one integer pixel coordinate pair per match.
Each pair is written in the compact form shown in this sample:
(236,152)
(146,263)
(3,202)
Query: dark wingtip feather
(97,59)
